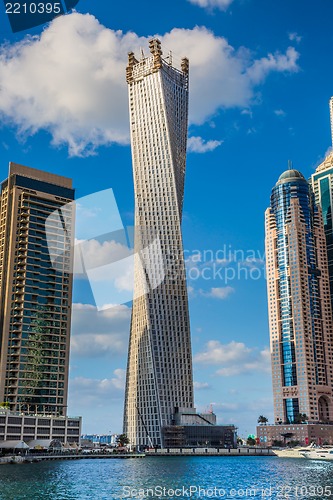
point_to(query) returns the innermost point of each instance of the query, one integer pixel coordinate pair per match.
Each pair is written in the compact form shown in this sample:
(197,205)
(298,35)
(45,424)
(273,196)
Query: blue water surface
(168,478)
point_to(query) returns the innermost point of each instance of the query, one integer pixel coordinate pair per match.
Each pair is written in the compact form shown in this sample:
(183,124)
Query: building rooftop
(326,164)
(33,173)
(290,175)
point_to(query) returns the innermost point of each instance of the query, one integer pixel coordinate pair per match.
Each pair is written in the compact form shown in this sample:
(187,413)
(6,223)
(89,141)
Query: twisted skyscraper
(159,372)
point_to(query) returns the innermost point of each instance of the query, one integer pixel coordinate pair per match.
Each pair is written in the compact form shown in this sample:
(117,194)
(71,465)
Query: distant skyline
(260,85)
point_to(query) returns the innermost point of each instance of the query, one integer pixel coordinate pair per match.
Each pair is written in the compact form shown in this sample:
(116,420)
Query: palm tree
(301,418)
(122,440)
(262,420)
(286,435)
(251,441)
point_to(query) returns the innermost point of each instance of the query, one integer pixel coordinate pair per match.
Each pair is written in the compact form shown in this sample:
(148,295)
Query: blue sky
(260,85)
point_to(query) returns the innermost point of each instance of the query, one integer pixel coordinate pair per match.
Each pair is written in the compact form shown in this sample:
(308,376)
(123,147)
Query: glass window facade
(35,293)
(300,303)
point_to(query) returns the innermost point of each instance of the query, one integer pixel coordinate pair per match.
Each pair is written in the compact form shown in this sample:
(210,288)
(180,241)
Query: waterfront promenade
(171,452)
(215,452)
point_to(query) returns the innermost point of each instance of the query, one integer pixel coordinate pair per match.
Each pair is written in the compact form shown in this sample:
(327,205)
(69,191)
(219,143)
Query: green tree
(251,441)
(277,442)
(286,435)
(301,418)
(122,440)
(262,420)
(34,361)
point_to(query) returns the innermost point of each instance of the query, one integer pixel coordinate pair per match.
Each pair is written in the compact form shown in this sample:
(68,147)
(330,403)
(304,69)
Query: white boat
(319,454)
(296,452)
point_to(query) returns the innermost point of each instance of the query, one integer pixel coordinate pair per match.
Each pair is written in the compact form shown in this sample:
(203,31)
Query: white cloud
(70,80)
(201,385)
(235,358)
(109,267)
(211,4)
(247,112)
(243,412)
(219,293)
(218,353)
(256,363)
(274,62)
(280,112)
(226,407)
(294,37)
(98,254)
(253,262)
(87,391)
(199,145)
(99,333)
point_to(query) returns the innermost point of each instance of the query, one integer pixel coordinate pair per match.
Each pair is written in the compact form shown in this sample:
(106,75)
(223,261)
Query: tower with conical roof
(300,317)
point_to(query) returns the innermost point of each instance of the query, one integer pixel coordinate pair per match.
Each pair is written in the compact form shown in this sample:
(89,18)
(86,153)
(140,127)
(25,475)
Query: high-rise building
(322,185)
(331,117)
(159,371)
(35,291)
(300,315)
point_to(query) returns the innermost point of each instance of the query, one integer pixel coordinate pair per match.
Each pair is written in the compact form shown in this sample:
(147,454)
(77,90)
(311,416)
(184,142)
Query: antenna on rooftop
(290,164)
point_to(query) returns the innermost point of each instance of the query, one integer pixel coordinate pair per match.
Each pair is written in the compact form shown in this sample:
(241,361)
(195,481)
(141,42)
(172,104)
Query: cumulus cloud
(226,407)
(274,62)
(88,391)
(219,293)
(280,112)
(97,254)
(211,4)
(109,267)
(99,333)
(247,112)
(218,353)
(234,358)
(294,37)
(201,385)
(199,145)
(70,80)
(240,413)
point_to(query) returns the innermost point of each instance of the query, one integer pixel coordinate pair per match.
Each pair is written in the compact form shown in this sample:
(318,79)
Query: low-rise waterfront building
(15,426)
(304,434)
(100,439)
(192,429)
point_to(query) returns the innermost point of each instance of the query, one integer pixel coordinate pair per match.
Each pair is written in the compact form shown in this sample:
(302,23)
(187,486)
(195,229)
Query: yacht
(296,452)
(318,454)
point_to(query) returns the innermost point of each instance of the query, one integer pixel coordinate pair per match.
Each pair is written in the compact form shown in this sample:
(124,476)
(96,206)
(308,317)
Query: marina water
(167,478)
